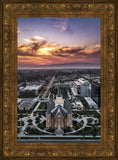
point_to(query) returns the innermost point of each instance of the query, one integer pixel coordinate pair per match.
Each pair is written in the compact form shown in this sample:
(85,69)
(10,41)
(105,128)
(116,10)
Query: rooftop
(79,103)
(32,87)
(81,81)
(90,101)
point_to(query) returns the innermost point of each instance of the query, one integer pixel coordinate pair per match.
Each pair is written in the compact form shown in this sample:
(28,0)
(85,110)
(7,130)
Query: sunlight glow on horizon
(57,41)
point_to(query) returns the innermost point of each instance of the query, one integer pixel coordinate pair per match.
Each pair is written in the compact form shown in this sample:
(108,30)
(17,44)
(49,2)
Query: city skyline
(58,43)
(59,105)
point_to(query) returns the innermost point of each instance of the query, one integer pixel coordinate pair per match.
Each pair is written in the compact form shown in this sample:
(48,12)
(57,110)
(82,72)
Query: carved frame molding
(10,148)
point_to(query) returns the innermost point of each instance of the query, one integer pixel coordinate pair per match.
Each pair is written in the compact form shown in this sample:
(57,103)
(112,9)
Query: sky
(52,43)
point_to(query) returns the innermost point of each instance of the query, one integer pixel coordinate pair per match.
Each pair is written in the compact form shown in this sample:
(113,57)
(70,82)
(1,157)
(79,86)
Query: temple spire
(59,91)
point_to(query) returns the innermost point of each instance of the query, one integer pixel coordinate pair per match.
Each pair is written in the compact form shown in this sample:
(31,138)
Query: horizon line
(57,68)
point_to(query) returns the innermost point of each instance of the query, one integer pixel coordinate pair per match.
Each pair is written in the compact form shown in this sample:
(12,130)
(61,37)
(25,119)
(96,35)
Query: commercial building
(95,92)
(91,103)
(79,105)
(30,90)
(82,88)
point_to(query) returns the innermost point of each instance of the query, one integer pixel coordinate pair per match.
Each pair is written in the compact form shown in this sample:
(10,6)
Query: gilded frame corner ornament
(10,148)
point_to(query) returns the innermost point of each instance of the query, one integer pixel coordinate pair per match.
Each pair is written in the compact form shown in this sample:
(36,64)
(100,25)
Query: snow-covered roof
(32,87)
(90,101)
(81,81)
(77,83)
(79,103)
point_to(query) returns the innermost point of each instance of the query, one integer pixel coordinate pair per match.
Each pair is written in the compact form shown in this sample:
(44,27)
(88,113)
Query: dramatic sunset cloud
(63,46)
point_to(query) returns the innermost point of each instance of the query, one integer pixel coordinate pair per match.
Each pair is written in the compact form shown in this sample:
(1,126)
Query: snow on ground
(42,119)
(98,111)
(84,125)
(25,119)
(41,130)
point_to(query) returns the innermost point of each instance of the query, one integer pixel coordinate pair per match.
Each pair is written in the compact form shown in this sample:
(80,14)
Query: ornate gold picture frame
(10,10)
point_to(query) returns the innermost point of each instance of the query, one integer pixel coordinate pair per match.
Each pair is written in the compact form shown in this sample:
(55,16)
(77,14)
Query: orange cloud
(38,51)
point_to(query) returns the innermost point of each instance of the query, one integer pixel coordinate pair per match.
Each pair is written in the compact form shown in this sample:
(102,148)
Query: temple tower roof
(59,92)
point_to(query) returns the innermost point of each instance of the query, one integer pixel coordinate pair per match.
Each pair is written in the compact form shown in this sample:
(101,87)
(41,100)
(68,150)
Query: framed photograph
(58,79)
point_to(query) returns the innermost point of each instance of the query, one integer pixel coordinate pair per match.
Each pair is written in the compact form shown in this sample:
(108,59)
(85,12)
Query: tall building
(58,114)
(82,87)
(91,103)
(95,92)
